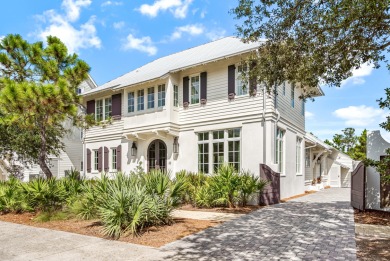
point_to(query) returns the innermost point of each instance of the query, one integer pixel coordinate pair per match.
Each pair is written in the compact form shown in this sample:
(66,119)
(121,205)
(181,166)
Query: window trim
(239,80)
(211,141)
(298,156)
(190,88)
(95,165)
(282,164)
(103,107)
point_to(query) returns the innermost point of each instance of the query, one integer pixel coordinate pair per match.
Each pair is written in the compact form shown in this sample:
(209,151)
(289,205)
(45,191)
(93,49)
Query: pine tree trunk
(43,153)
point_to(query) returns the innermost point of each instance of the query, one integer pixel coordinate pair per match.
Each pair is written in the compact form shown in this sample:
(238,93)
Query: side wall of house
(376,147)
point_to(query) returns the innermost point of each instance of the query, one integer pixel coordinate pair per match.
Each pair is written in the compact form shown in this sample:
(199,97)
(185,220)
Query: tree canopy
(349,143)
(314,42)
(38,93)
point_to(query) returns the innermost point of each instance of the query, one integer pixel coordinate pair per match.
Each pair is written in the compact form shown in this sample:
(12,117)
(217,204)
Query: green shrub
(225,184)
(205,197)
(46,195)
(11,197)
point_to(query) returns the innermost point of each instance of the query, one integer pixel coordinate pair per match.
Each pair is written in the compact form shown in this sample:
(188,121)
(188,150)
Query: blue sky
(115,37)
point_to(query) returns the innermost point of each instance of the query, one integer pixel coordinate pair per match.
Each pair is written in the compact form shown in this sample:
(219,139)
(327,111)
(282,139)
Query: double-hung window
(103,109)
(279,157)
(203,152)
(242,84)
(161,95)
(307,158)
(234,148)
(150,97)
(218,149)
(130,102)
(140,100)
(107,108)
(96,160)
(292,96)
(303,107)
(175,95)
(195,89)
(99,110)
(299,156)
(113,159)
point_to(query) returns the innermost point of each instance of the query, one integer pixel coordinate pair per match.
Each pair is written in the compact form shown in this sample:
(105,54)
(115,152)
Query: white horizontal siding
(293,115)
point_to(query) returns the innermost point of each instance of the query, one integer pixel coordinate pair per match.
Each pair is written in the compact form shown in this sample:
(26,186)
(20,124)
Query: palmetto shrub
(250,185)
(131,204)
(46,195)
(225,183)
(11,197)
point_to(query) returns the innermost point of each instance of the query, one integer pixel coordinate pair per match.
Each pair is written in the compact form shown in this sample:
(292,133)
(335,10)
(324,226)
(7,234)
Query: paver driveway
(315,227)
(319,226)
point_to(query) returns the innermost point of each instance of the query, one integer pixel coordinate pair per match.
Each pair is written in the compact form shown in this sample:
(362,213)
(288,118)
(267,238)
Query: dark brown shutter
(231,80)
(88,161)
(119,158)
(116,106)
(203,86)
(186,83)
(91,107)
(100,159)
(252,80)
(106,168)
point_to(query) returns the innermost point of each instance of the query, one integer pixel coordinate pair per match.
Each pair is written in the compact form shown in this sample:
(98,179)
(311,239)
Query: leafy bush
(225,184)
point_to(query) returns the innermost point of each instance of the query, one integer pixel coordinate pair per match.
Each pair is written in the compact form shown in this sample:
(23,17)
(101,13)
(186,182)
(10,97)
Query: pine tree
(38,93)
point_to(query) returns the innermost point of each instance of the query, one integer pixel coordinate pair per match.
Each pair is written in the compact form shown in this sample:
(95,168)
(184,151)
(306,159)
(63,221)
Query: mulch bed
(372,248)
(152,236)
(372,217)
(236,210)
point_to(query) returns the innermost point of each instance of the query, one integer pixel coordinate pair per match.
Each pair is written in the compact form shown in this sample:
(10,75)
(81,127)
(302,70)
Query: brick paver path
(319,226)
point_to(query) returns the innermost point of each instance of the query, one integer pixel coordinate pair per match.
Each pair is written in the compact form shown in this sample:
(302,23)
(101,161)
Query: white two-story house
(189,111)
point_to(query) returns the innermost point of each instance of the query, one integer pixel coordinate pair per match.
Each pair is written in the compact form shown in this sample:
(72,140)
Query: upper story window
(107,108)
(303,107)
(103,109)
(175,95)
(195,89)
(299,156)
(140,100)
(79,90)
(241,83)
(284,88)
(130,102)
(279,157)
(292,96)
(150,97)
(161,95)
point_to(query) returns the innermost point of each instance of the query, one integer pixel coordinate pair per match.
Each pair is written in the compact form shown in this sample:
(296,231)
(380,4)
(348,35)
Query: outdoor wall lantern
(176,145)
(133,149)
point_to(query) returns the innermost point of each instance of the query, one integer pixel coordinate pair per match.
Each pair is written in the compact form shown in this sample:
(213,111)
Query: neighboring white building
(71,157)
(376,148)
(189,111)
(326,163)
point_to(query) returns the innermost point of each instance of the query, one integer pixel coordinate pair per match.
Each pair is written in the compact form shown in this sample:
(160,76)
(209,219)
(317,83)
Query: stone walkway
(319,226)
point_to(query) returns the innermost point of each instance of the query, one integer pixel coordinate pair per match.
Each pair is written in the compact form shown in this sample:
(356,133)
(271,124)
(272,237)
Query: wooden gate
(358,187)
(271,193)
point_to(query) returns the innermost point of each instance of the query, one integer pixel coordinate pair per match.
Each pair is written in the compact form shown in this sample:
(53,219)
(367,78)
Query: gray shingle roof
(159,68)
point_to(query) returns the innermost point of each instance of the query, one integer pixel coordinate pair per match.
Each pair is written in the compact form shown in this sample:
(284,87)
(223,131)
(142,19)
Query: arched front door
(157,155)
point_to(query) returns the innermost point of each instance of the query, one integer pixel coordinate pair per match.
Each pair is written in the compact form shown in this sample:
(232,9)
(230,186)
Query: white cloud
(309,115)
(143,44)
(1,37)
(179,8)
(191,29)
(360,116)
(203,14)
(118,25)
(216,34)
(72,8)
(61,25)
(359,74)
(113,3)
